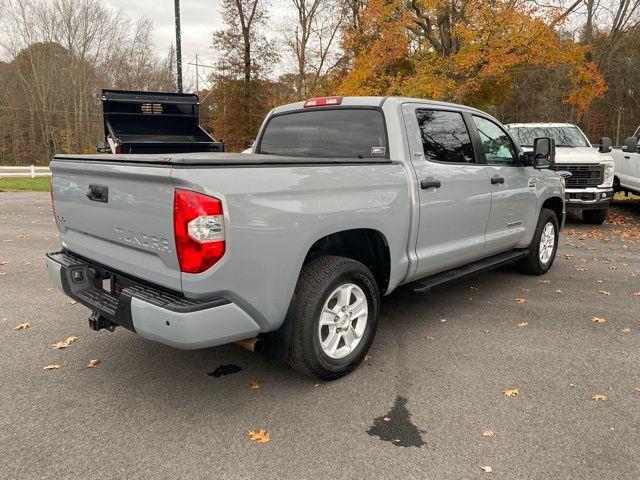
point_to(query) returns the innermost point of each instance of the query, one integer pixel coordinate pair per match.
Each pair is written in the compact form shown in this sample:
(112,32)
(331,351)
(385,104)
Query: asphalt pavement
(429,403)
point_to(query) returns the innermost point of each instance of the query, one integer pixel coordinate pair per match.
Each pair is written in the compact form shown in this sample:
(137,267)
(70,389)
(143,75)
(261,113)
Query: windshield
(564,136)
(337,132)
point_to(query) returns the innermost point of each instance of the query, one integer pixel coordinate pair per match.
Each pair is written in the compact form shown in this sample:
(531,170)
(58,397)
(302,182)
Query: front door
(513,188)
(454,190)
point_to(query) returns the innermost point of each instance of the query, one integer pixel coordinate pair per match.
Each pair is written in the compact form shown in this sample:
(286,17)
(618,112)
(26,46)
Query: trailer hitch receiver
(98,322)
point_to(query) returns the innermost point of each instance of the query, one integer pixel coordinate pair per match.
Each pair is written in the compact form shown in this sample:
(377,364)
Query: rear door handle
(627,156)
(496,179)
(430,183)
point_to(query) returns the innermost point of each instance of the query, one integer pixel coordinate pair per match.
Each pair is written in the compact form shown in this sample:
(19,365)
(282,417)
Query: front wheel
(334,315)
(543,247)
(595,217)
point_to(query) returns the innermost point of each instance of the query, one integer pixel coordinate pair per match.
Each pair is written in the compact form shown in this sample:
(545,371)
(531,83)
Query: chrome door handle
(496,179)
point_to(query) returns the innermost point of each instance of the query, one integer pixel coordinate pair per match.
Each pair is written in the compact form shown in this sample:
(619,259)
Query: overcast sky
(199,18)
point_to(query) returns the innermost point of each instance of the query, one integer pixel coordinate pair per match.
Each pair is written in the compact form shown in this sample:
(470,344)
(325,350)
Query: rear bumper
(154,313)
(587,198)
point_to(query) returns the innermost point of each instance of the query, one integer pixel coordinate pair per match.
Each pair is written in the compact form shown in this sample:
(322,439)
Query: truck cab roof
(376,101)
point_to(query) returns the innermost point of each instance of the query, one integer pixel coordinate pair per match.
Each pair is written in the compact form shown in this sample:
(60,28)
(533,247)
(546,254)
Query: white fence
(31,171)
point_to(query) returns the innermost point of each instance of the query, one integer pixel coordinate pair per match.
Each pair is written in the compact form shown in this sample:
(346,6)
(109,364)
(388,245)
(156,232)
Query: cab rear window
(338,132)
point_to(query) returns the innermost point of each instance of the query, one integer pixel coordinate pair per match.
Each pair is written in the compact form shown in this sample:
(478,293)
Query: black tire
(318,279)
(532,264)
(595,217)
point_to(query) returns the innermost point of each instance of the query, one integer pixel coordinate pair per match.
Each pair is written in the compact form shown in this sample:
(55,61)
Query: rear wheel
(334,316)
(595,217)
(543,247)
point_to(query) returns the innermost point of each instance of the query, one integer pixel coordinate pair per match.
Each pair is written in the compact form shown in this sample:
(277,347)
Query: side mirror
(630,144)
(544,152)
(605,145)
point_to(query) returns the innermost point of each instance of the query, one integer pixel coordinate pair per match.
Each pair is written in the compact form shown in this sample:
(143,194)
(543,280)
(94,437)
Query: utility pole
(178,46)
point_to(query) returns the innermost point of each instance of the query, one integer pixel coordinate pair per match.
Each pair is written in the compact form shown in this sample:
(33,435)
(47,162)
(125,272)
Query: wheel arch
(366,245)
(557,205)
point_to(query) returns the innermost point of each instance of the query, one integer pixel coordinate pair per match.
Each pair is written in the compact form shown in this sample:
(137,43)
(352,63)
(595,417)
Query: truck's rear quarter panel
(275,214)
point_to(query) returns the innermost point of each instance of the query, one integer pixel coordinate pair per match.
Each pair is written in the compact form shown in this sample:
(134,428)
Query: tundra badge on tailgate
(142,240)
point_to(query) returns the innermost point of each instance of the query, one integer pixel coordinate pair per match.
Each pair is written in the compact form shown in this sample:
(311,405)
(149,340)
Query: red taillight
(198,225)
(322,102)
(53,208)
(118,150)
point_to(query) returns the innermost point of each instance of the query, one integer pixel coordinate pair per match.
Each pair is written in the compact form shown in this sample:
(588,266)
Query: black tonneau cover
(217,159)
(153,122)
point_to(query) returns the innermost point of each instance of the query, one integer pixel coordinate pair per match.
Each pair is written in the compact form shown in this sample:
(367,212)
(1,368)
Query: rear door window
(445,137)
(337,132)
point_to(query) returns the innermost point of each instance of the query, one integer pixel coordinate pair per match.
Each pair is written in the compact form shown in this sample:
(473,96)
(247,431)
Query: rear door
(513,187)
(118,215)
(454,191)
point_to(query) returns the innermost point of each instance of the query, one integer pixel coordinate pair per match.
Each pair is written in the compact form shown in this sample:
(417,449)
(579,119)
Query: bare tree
(312,37)
(243,48)
(59,54)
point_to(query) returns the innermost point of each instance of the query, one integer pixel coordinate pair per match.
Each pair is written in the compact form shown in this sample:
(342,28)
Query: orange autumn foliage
(468,51)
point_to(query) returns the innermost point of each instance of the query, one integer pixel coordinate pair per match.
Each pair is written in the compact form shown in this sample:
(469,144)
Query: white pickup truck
(627,159)
(589,188)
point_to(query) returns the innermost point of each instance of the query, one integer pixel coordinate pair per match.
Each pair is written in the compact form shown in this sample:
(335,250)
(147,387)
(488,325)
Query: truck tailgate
(118,215)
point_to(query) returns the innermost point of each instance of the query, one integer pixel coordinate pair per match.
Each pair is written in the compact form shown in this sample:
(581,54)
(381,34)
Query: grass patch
(36,184)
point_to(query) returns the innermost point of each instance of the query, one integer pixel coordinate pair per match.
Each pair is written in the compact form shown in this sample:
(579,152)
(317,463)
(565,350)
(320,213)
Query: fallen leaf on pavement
(386,419)
(367,358)
(636,294)
(598,396)
(22,326)
(51,367)
(525,290)
(261,436)
(255,384)
(559,292)
(64,343)
(94,362)
(568,255)
(598,319)
(487,433)
(2,274)
(3,262)
(72,302)
(604,292)
(23,235)
(520,300)
(580,269)
(544,281)
(522,324)
(510,392)
(486,469)
(429,337)
(626,330)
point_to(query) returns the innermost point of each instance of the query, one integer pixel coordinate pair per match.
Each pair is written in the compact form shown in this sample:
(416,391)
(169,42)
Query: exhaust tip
(252,344)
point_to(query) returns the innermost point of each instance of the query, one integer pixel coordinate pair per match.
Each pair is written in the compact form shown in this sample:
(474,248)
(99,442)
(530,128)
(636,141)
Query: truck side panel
(273,215)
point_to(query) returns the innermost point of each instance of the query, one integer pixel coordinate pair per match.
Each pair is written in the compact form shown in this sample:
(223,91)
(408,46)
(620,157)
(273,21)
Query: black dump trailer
(153,122)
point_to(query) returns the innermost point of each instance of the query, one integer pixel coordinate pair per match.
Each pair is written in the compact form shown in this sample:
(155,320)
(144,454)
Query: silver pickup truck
(290,247)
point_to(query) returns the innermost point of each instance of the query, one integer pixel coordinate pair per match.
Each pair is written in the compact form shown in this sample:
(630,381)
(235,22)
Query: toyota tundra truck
(588,171)
(290,248)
